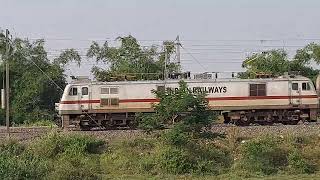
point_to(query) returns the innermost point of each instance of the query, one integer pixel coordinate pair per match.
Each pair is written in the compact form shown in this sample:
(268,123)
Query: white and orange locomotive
(286,99)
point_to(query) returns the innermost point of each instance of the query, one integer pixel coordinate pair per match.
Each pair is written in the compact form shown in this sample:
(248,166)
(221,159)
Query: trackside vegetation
(75,156)
(187,150)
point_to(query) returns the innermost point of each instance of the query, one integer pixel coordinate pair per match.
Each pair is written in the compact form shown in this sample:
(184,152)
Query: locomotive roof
(281,78)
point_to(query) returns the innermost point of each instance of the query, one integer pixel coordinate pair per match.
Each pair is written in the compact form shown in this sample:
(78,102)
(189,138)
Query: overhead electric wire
(45,74)
(185,40)
(194,58)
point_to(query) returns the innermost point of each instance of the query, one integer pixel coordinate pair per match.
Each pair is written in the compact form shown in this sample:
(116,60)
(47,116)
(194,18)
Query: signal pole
(7,84)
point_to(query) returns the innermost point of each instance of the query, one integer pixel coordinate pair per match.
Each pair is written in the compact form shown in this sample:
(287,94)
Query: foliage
(154,156)
(181,147)
(16,164)
(182,108)
(276,62)
(32,93)
(67,56)
(54,156)
(263,156)
(132,157)
(130,60)
(39,123)
(270,155)
(75,156)
(175,160)
(297,164)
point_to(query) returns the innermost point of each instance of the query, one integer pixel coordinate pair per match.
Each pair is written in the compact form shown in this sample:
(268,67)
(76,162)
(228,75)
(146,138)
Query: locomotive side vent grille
(104,102)
(109,102)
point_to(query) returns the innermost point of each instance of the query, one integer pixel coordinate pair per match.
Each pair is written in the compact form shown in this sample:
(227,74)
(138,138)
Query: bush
(176,136)
(39,123)
(263,156)
(17,163)
(55,144)
(76,166)
(180,106)
(297,164)
(55,156)
(175,160)
(132,157)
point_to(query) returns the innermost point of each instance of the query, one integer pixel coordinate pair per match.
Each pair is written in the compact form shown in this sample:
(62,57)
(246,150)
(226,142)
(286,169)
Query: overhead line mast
(7,92)
(178,44)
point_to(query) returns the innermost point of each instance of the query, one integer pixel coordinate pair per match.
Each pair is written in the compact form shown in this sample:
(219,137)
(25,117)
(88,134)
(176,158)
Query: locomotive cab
(75,99)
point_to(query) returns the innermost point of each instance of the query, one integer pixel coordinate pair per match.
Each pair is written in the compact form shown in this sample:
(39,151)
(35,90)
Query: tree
(33,94)
(130,60)
(186,111)
(276,62)
(67,56)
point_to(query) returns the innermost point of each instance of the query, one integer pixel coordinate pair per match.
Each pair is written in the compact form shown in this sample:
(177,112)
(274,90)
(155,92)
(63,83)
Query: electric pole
(7,83)
(165,77)
(178,44)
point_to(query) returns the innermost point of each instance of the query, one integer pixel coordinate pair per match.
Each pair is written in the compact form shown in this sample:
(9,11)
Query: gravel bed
(275,130)
(29,133)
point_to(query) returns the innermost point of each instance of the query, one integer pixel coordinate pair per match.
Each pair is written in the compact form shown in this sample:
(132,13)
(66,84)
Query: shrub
(17,163)
(176,136)
(55,144)
(180,105)
(76,166)
(46,123)
(134,156)
(175,160)
(297,164)
(263,156)
(195,157)
(71,156)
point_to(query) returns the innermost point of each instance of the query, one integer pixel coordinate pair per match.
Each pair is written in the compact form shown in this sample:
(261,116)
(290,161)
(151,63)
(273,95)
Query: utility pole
(178,44)
(7,83)
(165,77)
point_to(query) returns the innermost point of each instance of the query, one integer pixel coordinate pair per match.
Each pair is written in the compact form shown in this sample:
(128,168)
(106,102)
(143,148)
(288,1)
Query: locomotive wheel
(243,121)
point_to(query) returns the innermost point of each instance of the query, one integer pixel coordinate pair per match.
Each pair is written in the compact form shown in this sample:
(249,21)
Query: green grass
(40,123)
(220,177)
(76,156)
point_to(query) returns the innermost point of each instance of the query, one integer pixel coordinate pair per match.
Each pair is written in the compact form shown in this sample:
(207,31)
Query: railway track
(25,133)
(28,133)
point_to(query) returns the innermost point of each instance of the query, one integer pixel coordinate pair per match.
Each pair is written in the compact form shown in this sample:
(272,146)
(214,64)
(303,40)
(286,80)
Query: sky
(218,34)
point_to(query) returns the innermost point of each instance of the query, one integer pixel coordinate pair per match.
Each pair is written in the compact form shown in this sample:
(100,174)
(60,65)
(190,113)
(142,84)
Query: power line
(194,58)
(185,40)
(45,74)
(252,40)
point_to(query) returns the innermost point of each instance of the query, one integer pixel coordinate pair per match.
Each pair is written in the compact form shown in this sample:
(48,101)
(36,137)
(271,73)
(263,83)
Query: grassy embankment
(74,156)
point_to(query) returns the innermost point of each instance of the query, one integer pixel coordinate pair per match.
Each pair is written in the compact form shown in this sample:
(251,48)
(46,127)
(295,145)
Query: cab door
(307,90)
(295,93)
(84,97)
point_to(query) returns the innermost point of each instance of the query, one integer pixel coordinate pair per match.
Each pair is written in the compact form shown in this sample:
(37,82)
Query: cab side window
(84,91)
(306,87)
(73,91)
(295,86)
